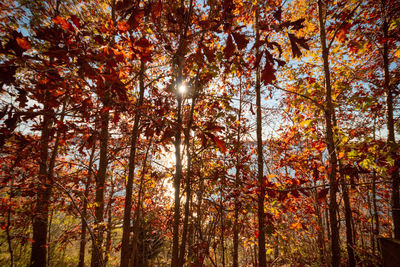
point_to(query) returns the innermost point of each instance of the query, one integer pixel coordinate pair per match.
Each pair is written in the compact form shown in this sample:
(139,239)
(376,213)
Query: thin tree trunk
(237,175)
(178,174)
(40,221)
(330,140)
(349,228)
(9,239)
(188,191)
(391,141)
(222,231)
(177,143)
(82,245)
(126,228)
(261,232)
(137,224)
(321,244)
(97,254)
(109,224)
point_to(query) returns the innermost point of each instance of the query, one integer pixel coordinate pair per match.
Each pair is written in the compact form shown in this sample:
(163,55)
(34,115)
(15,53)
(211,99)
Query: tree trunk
(237,176)
(40,221)
(330,140)
(188,179)
(97,254)
(126,228)
(178,174)
(260,172)
(82,245)
(136,260)
(349,228)
(391,141)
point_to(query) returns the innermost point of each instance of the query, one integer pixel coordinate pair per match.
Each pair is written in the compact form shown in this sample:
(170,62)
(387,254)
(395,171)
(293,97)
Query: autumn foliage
(198,133)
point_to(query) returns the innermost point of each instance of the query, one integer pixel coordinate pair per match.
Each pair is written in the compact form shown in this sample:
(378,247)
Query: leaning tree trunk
(330,140)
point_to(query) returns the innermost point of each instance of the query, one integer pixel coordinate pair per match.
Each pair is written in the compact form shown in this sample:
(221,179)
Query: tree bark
(260,168)
(126,228)
(82,245)
(391,141)
(40,221)
(330,140)
(178,173)
(237,175)
(349,228)
(97,254)
(188,191)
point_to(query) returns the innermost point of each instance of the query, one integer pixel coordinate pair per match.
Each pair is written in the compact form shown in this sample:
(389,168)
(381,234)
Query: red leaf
(322,194)
(23,43)
(62,22)
(240,40)
(76,21)
(143,42)
(230,47)
(218,142)
(268,74)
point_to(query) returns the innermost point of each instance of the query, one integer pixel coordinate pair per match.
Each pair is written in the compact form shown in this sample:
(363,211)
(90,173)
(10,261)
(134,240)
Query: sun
(182,89)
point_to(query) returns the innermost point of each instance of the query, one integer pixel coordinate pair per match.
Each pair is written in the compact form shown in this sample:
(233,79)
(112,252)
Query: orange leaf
(23,43)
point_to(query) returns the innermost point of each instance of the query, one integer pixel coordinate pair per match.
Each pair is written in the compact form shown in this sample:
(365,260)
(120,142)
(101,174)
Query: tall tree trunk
(82,245)
(321,233)
(178,172)
(40,221)
(126,228)
(97,254)
(188,191)
(109,225)
(9,238)
(177,142)
(237,175)
(349,228)
(260,168)
(391,141)
(97,248)
(330,140)
(137,258)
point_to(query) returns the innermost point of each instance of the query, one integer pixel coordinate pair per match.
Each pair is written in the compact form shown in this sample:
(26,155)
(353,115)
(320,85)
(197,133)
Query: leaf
(278,14)
(295,48)
(135,18)
(63,23)
(23,43)
(321,195)
(76,21)
(230,47)
(268,74)
(210,54)
(218,142)
(240,40)
(298,24)
(294,42)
